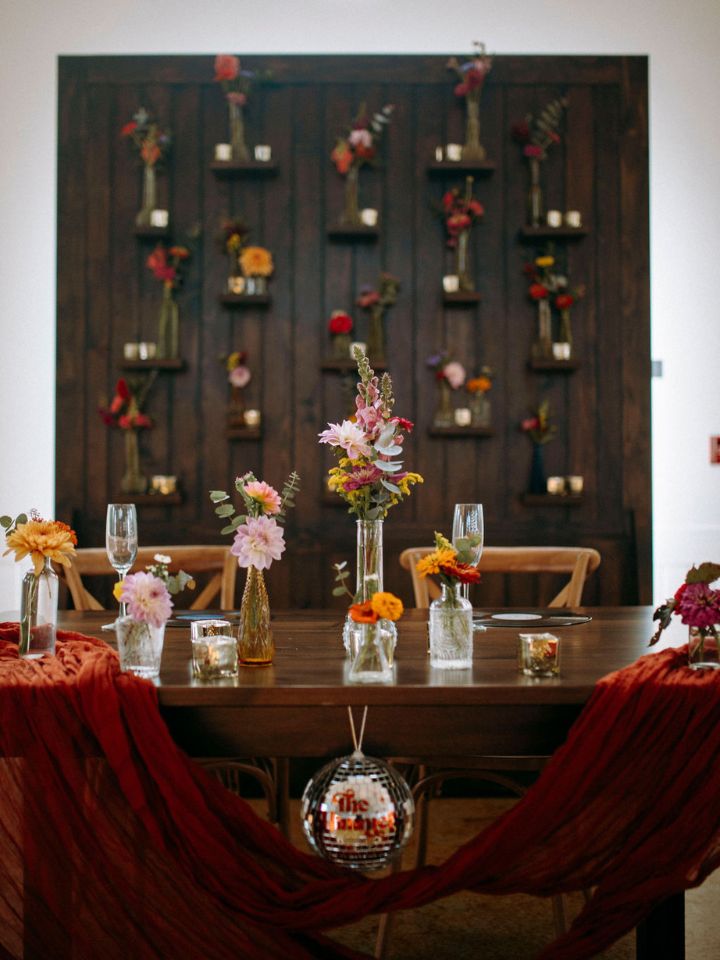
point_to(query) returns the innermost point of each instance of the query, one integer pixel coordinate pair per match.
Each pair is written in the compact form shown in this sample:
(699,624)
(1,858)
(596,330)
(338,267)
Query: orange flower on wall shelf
(256,262)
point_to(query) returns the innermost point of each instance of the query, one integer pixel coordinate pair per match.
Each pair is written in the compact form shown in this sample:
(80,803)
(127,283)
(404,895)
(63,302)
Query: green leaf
(5,522)
(228,529)
(225,510)
(390,486)
(218,495)
(21,518)
(339,592)
(706,573)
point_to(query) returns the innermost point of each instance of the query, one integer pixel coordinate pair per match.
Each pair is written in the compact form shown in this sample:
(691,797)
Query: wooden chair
(200,560)
(579,562)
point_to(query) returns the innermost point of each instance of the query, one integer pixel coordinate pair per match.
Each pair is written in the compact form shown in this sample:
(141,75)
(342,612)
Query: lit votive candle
(573,218)
(561,351)
(539,654)
(130,351)
(147,350)
(453,151)
(214,649)
(556,485)
(251,418)
(451,283)
(164,484)
(159,218)
(360,345)
(463,417)
(438,154)
(575,484)
(223,152)
(263,152)
(236,284)
(554,218)
(369,217)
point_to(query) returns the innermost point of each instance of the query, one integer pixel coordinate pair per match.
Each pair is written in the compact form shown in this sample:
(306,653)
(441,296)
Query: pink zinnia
(263,494)
(258,542)
(454,374)
(147,598)
(239,376)
(699,605)
(363,477)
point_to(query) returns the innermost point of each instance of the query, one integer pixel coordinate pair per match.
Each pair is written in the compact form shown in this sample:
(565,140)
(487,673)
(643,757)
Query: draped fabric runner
(113,843)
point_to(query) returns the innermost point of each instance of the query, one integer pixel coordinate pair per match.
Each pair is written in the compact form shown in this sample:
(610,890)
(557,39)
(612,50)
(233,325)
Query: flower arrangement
(355,149)
(695,602)
(236,84)
(125,412)
(472,75)
(256,262)
(546,288)
(166,265)
(381,606)
(239,374)
(478,388)
(536,135)
(369,477)
(481,384)
(38,539)
(538,426)
(376,302)
(340,327)
(449,564)
(150,140)
(460,210)
(233,236)
(145,592)
(448,371)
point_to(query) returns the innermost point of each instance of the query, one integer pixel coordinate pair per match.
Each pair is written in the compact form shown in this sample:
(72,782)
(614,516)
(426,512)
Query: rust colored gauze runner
(114,844)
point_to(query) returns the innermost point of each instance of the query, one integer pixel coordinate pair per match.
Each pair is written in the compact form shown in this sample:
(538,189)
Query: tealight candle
(130,351)
(573,218)
(360,345)
(451,283)
(223,152)
(263,152)
(147,350)
(251,418)
(556,485)
(554,218)
(369,217)
(236,284)
(538,654)
(561,351)
(438,154)
(453,151)
(575,483)
(214,649)
(164,484)
(463,417)
(159,218)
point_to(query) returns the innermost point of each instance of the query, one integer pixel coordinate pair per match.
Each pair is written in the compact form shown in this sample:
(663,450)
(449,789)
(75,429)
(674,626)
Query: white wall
(685,201)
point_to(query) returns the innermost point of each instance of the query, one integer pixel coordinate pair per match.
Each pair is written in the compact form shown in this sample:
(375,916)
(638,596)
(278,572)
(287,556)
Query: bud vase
(451,630)
(255,640)
(376,335)
(168,347)
(341,346)
(535,198)
(371,663)
(369,580)
(238,147)
(149,197)
(38,612)
(444,415)
(543,346)
(351,211)
(703,644)
(480,415)
(473,150)
(132,480)
(461,261)
(140,646)
(565,331)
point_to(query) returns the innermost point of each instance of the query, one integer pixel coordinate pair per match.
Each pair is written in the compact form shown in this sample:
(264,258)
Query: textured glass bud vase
(140,646)
(149,197)
(38,612)
(451,630)
(255,640)
(703,644)
(369,580)
(371,664)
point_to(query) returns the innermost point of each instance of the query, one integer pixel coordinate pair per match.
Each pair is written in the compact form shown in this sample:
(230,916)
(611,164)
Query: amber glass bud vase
(255,639)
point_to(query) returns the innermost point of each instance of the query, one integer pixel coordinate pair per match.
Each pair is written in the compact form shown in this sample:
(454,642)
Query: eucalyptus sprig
(226,510)
(9,525)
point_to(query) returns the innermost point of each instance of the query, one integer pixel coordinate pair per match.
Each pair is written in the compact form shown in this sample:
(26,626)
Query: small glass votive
(130,351)
(369,216)
(451,283)
(360,345)
(575,484)
(159,218)
(164,484)
(539,654)
(463,417)
(263,152)
(556,485)
(554,218)
(561,351)
(453,151)
(573,218)
(236,284)
(214,649)
(438,154)
(251,418)
(223,152)
(147,350)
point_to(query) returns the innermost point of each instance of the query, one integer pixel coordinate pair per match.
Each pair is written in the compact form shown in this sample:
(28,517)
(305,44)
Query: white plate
(517,616)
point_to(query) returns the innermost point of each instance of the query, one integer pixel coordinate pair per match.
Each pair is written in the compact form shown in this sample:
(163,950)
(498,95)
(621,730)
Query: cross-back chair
(213,562)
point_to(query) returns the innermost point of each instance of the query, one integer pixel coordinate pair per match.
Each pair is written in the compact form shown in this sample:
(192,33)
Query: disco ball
(357,812)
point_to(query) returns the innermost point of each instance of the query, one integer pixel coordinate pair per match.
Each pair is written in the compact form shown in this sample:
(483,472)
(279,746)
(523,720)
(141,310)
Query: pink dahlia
(264,495)
(347,436)
(699,605)
(147,598)
(258,542)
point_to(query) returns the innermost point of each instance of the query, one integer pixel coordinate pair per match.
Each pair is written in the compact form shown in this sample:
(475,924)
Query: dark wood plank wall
(106,296)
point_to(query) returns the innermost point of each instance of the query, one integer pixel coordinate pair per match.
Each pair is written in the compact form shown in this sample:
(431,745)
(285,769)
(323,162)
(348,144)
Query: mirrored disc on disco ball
(357,812)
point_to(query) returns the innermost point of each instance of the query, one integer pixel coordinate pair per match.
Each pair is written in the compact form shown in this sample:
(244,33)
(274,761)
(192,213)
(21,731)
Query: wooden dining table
(297,707)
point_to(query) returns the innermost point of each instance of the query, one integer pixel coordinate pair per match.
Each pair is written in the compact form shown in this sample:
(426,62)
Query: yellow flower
(256,262)
(387,605)
(117,589)
(545,261)
(433,561)
(233,360)
(39,539)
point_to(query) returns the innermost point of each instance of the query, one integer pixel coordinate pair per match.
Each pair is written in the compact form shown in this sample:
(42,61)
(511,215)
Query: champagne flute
(121,542)
(467,535)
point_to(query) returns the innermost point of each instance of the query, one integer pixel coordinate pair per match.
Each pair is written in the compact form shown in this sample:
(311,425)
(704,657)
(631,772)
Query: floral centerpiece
(236,84)
(697,604)
(460,211)
(541,431)
(451,614)
(239,376)
(355,149)
(232,238)
(472,75)
(376,302)
(478,388)
(257,266)
(257,542)
(536,134)
(152,143)
(141,632)
(340,327)
(44,542)
(125,412)
(166,265)
(449,375)
(546,287)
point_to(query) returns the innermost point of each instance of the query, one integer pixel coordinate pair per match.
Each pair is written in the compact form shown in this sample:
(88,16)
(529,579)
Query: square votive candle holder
(214,649)
(539,654)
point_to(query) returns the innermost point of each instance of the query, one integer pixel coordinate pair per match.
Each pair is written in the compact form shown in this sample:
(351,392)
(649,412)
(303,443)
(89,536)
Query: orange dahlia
(39,539)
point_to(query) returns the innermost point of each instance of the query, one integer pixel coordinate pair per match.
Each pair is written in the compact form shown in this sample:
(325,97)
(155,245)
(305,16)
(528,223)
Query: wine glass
(467,535)
(121,542)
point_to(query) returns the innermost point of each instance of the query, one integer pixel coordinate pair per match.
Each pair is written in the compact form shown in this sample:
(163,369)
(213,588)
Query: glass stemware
(121,543)
(468,535)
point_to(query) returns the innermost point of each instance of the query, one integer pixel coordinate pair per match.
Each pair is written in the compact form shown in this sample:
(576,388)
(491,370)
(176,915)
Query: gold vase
(255,640)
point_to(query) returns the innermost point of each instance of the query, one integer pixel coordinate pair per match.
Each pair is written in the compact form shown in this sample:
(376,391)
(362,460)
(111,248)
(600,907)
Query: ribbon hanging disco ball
(357,812)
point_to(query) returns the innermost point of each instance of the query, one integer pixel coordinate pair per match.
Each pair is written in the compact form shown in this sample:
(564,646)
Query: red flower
(239,98)
(122,389)
(532,150)
(340,323)
(563,301)
(520,131)
(125,422)
(460,571)
(449,199)
(368,299)
(363,613)
(150,152)
(404,424)
(181,253)
(457,222)
(129,129)
(142,421)
(532,423)
(555,137)
(363,152)
(342,156)
(227,67)
(538,291)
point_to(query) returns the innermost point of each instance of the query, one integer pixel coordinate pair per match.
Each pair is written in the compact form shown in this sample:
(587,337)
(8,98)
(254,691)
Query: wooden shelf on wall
(461,298)
(553,366)
(550,233)
(175,363)
(152,233)
(340,365)
(240,300)
(151,499)
(443,168)
(234,169)
(461,431)
(339,232)
(552,499)
(244,433)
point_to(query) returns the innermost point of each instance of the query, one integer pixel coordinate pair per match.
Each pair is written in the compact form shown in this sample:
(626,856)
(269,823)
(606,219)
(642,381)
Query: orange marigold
(256,262)
(433,561)
(387,605)
(363,612)
(39,539)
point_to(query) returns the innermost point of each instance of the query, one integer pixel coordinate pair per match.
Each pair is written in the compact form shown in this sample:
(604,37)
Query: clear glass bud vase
(704,647)
(451,630)
(371,663)
(38,612)
(255,640)
(369,580)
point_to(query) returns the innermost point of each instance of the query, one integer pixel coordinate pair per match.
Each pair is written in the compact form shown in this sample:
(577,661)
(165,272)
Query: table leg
(662,932)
